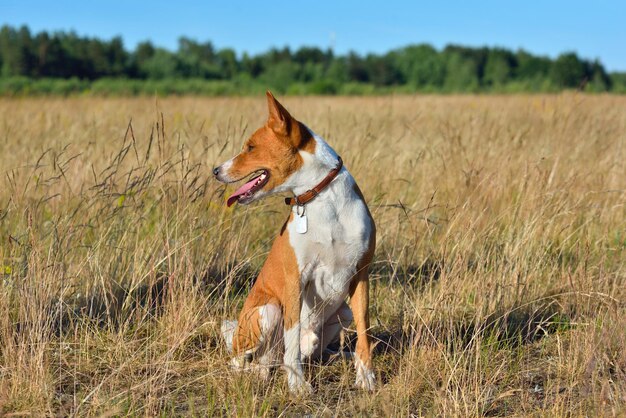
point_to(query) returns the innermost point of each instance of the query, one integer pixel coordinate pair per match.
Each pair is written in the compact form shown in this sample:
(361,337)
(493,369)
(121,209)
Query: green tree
(499,67)
(600,80)
(338,70)
(461,73)
(618,82)
(306,70)
(251,65)
(381,71)
(118,57)
(140,59)
(420,65)
(568,71)
(281,75)
(16,50)
(162,64)
(357,70)
(227,63)
(197,59)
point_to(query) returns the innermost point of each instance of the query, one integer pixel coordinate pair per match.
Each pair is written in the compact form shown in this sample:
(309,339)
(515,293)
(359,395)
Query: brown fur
(271,287)
(274,147)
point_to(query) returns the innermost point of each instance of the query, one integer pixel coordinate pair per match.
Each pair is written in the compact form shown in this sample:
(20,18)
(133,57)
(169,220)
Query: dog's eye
(249,148)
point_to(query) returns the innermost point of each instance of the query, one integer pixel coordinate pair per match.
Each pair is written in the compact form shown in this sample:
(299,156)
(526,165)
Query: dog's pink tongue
(240,191)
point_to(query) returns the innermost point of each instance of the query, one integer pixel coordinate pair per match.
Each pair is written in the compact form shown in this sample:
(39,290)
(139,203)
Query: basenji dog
(320,257)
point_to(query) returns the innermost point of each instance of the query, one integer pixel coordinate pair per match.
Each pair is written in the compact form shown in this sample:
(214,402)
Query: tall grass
(498,286)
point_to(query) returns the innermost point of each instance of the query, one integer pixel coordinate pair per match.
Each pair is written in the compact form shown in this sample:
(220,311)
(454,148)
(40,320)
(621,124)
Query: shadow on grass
(123,304)
(416,276)
(518,326)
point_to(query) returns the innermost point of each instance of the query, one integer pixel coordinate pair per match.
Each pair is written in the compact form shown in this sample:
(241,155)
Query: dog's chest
(336,239)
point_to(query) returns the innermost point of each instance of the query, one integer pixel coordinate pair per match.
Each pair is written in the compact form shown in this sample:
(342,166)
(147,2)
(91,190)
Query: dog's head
(268,157)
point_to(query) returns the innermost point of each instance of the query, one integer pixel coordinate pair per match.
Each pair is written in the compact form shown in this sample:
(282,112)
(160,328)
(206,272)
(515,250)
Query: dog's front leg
(292,359)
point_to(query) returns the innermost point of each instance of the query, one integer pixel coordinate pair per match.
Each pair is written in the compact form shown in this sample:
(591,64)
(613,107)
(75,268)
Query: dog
(320,257)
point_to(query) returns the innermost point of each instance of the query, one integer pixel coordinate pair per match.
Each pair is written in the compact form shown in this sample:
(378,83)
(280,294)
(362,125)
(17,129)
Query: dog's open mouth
(245,193)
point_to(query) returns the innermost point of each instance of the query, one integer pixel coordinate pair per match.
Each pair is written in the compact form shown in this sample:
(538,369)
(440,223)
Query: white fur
(226,166)
(267,352)
(228,331)
(224,169)
(309,343)
(338,235)
(269,317)
(339,229)
(292,362)
(365,378)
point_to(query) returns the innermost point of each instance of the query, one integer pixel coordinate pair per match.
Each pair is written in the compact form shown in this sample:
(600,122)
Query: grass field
(498,288)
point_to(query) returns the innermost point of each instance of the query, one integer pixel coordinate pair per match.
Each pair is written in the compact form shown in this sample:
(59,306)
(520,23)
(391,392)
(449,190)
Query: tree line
(43,62)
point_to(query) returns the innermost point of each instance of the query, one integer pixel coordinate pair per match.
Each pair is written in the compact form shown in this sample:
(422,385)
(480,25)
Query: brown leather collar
(309,195)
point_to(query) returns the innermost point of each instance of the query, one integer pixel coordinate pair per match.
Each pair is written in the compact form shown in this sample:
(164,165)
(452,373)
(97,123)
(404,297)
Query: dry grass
(499,285)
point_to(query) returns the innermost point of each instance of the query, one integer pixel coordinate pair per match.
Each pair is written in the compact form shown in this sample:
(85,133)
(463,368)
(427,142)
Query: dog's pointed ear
(279,120)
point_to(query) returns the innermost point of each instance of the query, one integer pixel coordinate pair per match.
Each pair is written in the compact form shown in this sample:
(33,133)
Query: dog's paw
(365,378)
(263,373)
(297,383)
(302,388)
(241,362)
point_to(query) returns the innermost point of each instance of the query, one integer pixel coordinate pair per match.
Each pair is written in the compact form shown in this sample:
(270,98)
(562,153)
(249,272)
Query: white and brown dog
(320,257)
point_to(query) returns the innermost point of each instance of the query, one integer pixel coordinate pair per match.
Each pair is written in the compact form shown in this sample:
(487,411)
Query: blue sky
(594,29)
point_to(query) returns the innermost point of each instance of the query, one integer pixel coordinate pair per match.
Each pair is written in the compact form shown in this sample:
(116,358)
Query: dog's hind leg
(341,319)
(253,338)
(269,354)
(359,301)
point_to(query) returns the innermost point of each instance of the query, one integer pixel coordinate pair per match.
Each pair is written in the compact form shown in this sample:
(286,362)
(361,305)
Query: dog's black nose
(216,171)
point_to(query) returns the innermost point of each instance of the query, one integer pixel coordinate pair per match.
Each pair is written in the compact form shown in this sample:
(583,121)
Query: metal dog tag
(301,221)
